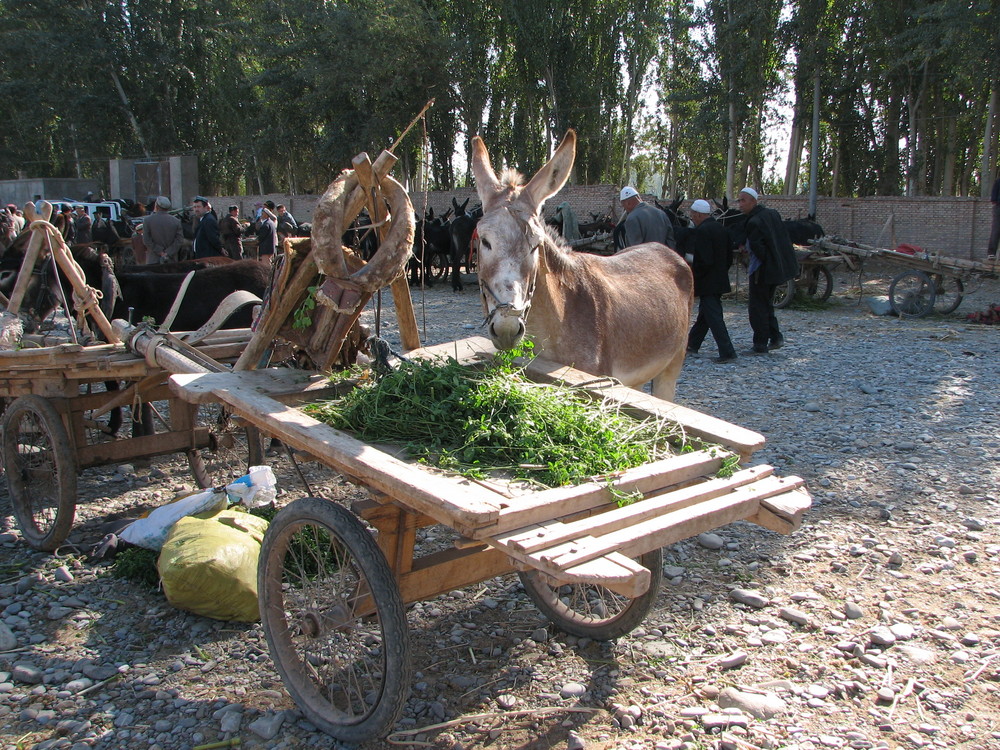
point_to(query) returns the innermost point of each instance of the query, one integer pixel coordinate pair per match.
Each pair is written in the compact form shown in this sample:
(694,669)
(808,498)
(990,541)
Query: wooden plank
(455,502)
(452,569)
(673,526)
(546,535)
(543,505)
(145,446)
(710,429)
(782,513)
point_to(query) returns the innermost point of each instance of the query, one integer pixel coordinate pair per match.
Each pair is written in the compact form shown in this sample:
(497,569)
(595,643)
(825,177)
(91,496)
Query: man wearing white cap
(709,246)
(644,223)
(772,262)
(162,233)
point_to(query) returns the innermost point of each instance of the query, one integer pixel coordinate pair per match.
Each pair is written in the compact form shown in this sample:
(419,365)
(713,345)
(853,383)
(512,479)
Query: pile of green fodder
(482,421)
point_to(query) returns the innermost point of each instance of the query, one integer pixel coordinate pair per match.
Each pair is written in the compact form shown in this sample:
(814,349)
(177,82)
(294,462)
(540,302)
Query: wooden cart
(69,407)
(930,282)
(333,596)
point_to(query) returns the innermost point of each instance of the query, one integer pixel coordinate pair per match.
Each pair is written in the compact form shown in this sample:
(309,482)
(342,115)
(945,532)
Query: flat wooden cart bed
(332,598)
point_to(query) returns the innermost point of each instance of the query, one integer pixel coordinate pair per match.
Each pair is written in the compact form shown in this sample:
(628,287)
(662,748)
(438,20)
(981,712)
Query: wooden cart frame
(335,620)
(929,282)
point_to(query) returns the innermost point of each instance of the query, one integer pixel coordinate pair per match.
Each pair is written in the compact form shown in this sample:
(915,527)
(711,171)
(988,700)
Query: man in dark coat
(707,249)
(231,232)
(63,221)
(772,262)
(267,235)
(206,236)
(83,224)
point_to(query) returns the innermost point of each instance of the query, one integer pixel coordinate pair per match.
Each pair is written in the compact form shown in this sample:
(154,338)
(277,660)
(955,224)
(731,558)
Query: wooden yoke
(30,255)
(405,316)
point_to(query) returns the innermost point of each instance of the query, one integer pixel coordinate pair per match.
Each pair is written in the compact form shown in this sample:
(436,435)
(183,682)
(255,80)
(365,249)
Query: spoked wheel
(816,282)
(472,261)
(912,294)
(334,620)
(784,294)
(591,611)
(234,446)
(41,471)
(439,266)
(948,293)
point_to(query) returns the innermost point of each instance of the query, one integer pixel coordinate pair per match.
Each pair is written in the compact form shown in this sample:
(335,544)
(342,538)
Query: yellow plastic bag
(208,565)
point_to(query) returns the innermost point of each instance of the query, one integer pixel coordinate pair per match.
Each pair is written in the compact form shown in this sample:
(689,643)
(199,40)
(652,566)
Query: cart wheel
(472,260)
(439,265)
(817,283)
(234,447)
(41,471)
(784,294)
(334,620)
(592,611)
(911,294)
(948,293)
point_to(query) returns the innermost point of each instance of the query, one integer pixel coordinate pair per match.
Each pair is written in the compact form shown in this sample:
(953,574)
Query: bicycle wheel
(334,620)
(784,294)
(41,471)
(234,446)
(948,293)
(816,282)
(591,611)
(911,294)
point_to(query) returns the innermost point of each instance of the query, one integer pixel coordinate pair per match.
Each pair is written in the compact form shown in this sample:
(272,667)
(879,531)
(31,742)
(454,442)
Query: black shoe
(724,360)
(777,344)
(691,351)
(755,351)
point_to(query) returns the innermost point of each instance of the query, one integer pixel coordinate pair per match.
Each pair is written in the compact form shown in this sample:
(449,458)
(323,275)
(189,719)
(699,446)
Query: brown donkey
(625,315)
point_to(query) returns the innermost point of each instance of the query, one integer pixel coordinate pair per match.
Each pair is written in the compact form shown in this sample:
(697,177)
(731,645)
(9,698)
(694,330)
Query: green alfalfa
(478,421)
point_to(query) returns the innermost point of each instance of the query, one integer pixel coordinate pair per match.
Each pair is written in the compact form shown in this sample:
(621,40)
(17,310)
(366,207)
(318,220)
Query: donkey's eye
(485,243)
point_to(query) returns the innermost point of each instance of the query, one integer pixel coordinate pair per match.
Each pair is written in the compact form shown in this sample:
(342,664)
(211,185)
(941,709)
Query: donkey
(625,315)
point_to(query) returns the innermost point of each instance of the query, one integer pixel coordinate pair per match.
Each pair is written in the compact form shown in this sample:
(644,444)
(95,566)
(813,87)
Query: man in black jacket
(207,241)
(707,249)
(772,262)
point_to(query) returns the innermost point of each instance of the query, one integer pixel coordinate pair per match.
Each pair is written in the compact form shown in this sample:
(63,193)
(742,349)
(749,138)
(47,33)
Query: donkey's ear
(487,184)
(550,179)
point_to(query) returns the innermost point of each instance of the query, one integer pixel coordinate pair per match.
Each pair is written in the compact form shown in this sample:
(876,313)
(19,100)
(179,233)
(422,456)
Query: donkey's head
(511,234)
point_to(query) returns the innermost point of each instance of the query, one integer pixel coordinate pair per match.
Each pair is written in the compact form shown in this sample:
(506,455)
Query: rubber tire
(389,618)
(232,452)
(784,294)
(944,288)
(576,623)
(927,294)
(816,282)
(438,266)
(60,464)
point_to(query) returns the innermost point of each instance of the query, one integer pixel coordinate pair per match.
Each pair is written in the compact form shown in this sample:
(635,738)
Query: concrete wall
(955,227)
(20,192)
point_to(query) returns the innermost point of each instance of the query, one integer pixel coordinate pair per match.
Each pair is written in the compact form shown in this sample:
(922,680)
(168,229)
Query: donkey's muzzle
(506,326)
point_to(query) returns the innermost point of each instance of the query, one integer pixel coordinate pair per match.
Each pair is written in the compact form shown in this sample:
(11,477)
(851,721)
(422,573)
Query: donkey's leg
(665,383)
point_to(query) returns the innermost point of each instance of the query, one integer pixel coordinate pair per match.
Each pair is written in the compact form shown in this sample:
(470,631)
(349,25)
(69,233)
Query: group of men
(163,234)
(708,249)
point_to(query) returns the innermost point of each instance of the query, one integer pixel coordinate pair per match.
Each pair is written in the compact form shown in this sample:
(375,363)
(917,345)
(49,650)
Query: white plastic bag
(151,531)
(254,489)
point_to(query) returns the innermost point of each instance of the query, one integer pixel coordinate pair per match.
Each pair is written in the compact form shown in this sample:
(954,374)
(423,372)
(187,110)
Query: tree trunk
(986,178)
(948,169)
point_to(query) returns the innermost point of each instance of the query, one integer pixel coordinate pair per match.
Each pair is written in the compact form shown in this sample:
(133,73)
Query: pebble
(711,541)
(749,598)
(761,706)
(268,725)
(572,690)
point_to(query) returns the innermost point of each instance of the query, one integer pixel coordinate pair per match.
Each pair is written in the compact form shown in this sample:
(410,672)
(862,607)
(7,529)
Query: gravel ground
(877,625)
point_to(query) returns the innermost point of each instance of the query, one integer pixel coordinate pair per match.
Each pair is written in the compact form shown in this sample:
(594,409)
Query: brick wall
(955,227)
